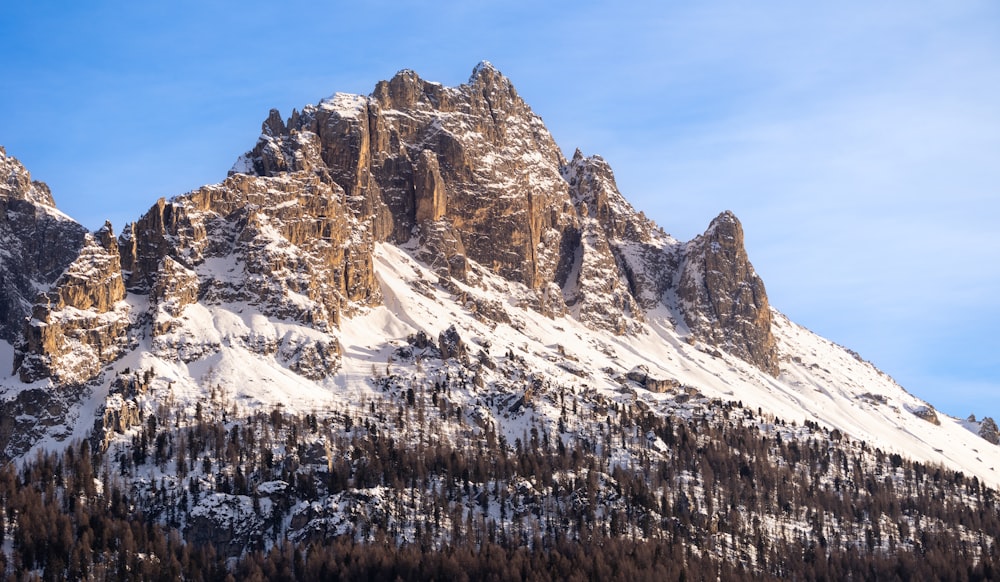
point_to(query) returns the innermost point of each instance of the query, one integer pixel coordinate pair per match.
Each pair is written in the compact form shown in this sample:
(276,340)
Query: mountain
(424,263)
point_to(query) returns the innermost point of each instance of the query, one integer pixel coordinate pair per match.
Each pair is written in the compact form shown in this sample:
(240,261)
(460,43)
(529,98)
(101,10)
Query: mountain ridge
(298,231)
(406,325)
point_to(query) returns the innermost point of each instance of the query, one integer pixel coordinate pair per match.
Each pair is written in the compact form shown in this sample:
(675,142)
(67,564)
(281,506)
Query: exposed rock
(988,430)
(722,299)
(311,358)
(925,412)
(451,345)
(473,166)
(640,374)
(420,340)
(429,188)
(80,324)
(490,311)
(119,415)
(16,183)
(441,248)
(474,155)
(32,415)
(175,287)
(259,240)
(37,243)
(228,522)
(645,258)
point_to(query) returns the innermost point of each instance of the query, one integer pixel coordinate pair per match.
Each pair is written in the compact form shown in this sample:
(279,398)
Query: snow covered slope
(529,353)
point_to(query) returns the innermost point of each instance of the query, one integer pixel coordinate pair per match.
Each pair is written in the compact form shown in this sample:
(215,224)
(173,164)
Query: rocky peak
(595,194)
(16,183)
(80,324)
(722,299)
(493,85)
(989,431)
(273,126)
(484,73)
(405,90)
(37,243)
(496,162)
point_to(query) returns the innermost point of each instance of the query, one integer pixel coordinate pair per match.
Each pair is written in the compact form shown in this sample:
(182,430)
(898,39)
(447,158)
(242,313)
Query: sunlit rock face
(467,178)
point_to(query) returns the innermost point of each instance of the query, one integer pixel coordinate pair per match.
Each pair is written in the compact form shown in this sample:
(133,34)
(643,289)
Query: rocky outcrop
(286,243)
(620,254)
(174,288)
(640,375)
(33,414)
(428,188)
(474,156)
(229,522)
(37,243)
(988,430)
(80,324)
(722,299)
(451,345)
(925,412)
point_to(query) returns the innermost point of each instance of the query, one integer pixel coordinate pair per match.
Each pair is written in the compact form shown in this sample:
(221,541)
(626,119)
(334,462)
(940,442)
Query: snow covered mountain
(370,250)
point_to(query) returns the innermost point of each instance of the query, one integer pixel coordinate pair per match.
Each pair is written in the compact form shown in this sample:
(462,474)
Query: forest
(412,487)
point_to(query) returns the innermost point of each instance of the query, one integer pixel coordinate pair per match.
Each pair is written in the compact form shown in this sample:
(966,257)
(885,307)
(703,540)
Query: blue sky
(858,142)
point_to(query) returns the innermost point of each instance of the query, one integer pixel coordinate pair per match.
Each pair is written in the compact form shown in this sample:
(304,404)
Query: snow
(243,165)
(346,104)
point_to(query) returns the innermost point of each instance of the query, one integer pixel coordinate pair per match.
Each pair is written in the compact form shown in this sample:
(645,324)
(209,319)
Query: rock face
(450,344)
(622,264)
(80,324)
(474,157)
(428,188)
(256,239)
(721,297)
(925,412)
(466,178)
(37,243)
(988,430)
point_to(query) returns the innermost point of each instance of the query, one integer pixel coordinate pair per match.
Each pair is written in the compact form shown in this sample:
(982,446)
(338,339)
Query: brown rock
(497,176)
(81,324)
(39,243)
(429,188)
(988,430)
(722,299)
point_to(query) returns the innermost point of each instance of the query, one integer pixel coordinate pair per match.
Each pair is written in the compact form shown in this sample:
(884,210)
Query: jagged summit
(484,67)
(37,243)
(486,75)
(17,183)
(472,173)
(720,286)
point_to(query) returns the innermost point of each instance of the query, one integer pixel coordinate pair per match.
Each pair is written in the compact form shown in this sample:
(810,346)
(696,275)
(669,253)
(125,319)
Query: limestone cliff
(466,178)
(474,158)
(37,243)
(722,299)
